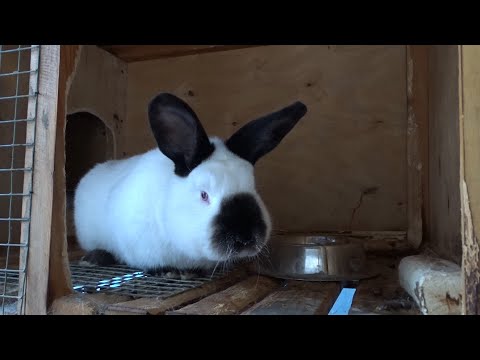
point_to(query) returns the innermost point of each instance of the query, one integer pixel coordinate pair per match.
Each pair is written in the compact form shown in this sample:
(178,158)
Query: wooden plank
(379,242)
(28,177)
(444,225)
(130,53)
(470,183)
(36,283)
(356,96)
(382,242)
(59,276)
(84,304)
(154,306)
(417,136)
(297,298)
(383,294)
(233,300)
(434,284)
(73,304)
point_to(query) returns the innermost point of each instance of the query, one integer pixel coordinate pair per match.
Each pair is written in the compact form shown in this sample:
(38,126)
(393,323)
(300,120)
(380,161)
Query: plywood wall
(96,111)
(99,86)
(342,168)
(12,109)
(444,225)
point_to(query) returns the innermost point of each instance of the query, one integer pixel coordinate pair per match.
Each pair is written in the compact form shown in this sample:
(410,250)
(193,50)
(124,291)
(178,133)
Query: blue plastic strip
(343,303)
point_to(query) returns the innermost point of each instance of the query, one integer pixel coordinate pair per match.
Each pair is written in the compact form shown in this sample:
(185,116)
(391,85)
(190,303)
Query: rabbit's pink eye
(204,196)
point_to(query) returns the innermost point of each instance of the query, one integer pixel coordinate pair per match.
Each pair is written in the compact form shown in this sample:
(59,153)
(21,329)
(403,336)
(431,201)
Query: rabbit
(189,203)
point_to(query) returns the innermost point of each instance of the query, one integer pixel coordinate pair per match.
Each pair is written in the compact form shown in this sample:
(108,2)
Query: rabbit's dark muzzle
(239,226)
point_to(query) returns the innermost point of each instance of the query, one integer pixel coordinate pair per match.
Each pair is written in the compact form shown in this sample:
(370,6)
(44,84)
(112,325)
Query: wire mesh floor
(119,279)
(122,280)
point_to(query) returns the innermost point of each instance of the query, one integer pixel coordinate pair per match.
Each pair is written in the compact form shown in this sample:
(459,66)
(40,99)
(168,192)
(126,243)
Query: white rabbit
(188,204)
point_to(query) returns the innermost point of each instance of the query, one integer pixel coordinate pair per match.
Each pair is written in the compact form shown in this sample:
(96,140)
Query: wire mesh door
(18,90)
(21,195)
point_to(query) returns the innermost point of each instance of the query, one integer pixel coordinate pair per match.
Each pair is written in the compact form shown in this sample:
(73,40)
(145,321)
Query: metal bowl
(315,258)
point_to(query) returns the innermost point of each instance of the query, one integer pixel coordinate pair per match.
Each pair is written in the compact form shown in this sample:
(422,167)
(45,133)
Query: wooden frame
(59,275)
(43,108)
(427,126)
(470,175)
(417,141)
(131,53)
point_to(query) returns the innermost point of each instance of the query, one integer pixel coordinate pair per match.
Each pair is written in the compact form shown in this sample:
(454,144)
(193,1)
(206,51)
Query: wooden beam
(28,178)
(444,99)
(38,235)
(373,241)
(131,53)
(152,306)
(59,276)
(298,298)
(470,176)
(84,304)
(233,300)
(434,284)
(417,137)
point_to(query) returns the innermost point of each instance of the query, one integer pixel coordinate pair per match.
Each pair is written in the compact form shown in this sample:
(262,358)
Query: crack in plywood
(368,191)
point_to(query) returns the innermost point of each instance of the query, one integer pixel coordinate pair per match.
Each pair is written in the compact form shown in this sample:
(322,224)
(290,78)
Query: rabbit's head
(213,210)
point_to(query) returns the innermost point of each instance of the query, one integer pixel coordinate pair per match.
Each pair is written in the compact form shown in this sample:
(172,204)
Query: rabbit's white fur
(141,212)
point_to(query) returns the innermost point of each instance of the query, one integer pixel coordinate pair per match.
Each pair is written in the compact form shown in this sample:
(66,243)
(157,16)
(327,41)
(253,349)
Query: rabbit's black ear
(260,136)
(178,132)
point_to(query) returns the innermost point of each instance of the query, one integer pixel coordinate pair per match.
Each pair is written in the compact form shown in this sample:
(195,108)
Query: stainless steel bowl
(315,258)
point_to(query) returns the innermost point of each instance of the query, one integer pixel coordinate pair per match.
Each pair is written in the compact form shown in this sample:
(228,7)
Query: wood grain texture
(84,304)
(94,81)
(28,177)
(379,242)
(99,87)
(471,259)
(435,284)
(42,195)
(59,276)
(96,110)
(231,301)
(417,139)
(130,53)
(470,145)
(444,228)
(297,298)
(152,306)
(344,166)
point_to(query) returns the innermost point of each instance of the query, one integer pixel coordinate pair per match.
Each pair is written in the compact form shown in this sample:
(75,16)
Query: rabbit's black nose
(245,241)
(241,242)
(239,225)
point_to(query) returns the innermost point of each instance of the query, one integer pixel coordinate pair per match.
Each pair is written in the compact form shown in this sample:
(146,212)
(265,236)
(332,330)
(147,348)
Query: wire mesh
(126,281)
(123,280)
(18,67)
